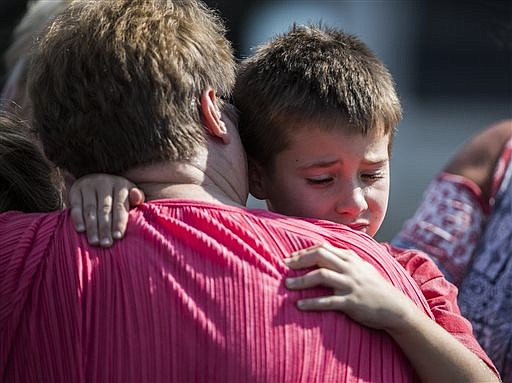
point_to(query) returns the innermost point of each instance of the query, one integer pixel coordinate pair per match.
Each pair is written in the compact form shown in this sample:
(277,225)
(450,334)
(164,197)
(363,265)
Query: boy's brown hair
(116,83)
(312,74)
(28,182)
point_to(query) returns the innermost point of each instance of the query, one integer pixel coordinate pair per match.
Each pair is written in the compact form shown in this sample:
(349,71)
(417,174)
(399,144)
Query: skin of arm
(363,294)
(478,157)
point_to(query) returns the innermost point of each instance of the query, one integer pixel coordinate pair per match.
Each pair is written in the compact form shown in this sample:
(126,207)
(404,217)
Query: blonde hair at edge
(39,13)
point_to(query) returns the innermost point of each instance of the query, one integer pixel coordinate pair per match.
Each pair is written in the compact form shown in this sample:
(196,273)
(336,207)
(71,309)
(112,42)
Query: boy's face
(330,175)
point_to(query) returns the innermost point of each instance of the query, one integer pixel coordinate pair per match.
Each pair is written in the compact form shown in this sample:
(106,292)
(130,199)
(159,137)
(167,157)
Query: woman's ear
(211,116)
(256,180)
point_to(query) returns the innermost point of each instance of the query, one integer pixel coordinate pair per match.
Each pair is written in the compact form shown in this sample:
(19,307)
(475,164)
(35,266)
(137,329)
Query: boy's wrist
(404,321)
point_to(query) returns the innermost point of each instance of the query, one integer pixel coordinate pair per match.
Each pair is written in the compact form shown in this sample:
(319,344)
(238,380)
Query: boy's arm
(441,296)
(99,205)
(364,295)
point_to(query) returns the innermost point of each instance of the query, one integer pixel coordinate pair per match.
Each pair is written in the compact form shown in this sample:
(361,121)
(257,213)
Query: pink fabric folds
(194,293)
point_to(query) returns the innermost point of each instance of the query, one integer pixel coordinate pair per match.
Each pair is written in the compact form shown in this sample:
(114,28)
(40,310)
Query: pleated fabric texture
(193,293)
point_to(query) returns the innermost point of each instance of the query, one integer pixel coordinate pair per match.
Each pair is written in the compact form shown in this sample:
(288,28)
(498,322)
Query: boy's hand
(99,205)
(359,289)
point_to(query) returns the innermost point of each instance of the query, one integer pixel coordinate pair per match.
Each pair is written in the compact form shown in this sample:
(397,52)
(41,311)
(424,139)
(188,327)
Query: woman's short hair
(116,83)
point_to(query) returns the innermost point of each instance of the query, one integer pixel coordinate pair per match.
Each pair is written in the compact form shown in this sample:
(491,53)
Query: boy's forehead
(311,146)
(305,133)
(312,126)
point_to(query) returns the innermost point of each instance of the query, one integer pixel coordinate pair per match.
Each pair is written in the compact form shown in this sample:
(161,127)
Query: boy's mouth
(358,226)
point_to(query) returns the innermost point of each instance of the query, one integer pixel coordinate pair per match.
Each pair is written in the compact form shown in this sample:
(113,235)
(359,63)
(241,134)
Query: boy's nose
(352,202)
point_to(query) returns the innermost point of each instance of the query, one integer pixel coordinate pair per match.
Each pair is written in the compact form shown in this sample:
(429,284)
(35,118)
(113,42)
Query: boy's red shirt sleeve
(441,296)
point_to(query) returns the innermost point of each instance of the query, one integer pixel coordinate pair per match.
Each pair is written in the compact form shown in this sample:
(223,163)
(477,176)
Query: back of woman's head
(28,182)
(119,82)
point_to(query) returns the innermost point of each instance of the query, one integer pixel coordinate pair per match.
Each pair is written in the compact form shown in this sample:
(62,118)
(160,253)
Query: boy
(329,110)
(318,113)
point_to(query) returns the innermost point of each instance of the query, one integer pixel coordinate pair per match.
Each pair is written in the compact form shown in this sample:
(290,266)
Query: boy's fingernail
(94,239)
(106,242)
(290,282)
(80,228)
(117,234)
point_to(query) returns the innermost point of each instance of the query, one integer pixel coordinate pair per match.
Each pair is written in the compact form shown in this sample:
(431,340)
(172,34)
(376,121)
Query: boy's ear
(211,116)
(256,180)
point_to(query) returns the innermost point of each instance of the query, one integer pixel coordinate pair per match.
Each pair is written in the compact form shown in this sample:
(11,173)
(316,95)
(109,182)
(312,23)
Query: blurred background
(451,61)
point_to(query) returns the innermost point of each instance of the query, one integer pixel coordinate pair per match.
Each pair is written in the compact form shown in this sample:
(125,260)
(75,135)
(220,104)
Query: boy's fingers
(136,197)
(92,200)
(333,302)
(90,213)
(104,218)
(320,277)
(120,210)
(344,254)
(76,207)
(317,256)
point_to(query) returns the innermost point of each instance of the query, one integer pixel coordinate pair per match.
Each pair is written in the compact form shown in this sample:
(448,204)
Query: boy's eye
(372,176)
(319,181)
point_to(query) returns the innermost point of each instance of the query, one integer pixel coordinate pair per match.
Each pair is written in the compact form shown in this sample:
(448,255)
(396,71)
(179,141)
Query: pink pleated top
(193,293)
